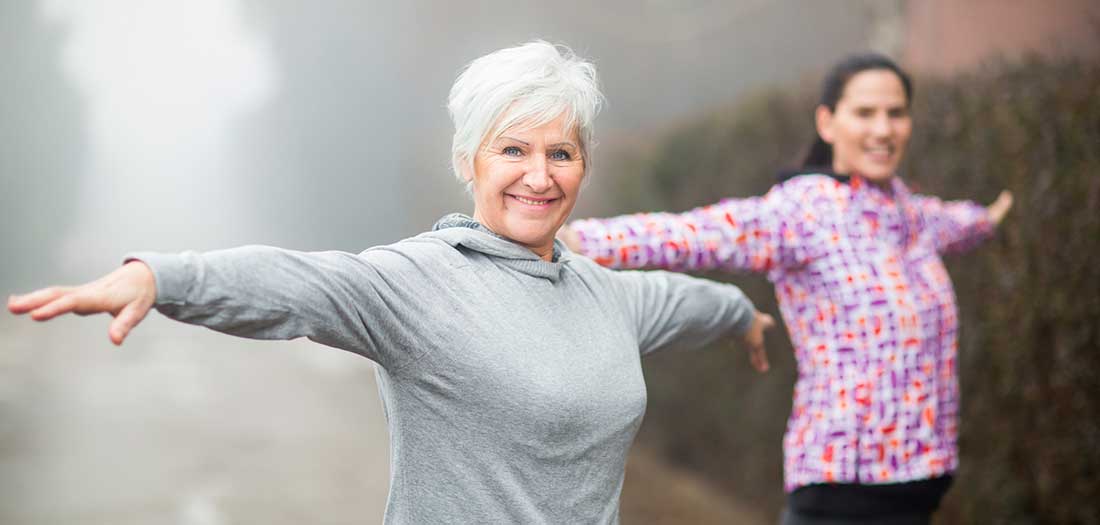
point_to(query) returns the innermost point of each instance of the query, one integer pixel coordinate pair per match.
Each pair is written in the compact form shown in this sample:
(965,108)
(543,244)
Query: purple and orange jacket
(865,297)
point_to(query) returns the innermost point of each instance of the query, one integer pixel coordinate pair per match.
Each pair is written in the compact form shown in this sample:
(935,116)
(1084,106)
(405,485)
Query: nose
(881,126)
(537,177)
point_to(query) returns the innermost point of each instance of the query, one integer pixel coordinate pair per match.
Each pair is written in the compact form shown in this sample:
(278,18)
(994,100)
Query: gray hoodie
(513,386)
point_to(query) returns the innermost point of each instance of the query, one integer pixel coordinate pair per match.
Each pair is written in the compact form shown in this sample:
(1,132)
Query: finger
(62,305)
(126,320)
(21,304)
(1000,207)
(766,321)
(759,359)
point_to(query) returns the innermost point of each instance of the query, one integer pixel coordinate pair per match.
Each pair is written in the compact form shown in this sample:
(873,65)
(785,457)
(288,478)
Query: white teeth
(531,202)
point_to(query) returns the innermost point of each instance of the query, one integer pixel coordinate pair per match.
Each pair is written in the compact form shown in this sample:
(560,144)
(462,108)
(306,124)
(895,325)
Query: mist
(133,125)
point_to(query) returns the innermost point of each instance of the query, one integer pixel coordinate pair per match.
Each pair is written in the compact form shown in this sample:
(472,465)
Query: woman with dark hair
(855,257)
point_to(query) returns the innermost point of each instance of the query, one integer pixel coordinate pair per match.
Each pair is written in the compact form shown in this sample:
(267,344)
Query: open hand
(754,340)
(1000,207)
(127,293)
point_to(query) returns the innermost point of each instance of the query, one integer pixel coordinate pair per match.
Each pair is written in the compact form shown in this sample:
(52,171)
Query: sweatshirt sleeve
(955,226)
(351,302)
(756,234)
(674,310)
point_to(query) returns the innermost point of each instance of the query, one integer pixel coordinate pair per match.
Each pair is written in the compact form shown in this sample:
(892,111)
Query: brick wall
(945,36)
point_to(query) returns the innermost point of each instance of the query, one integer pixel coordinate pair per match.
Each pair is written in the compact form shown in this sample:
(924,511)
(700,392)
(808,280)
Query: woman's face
(526,182)
(871,126)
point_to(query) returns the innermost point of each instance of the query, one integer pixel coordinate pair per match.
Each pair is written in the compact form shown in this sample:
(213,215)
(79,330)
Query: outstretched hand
(754,340)
(127,293)
(1000,207)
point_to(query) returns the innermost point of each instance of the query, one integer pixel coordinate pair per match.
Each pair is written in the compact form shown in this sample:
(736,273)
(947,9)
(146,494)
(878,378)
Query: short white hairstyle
(532,84)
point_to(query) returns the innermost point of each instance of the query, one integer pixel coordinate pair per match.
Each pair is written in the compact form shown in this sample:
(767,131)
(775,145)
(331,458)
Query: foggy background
(137,125)
(321,125)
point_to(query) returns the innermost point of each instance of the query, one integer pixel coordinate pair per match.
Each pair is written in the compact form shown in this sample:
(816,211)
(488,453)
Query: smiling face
(526,182)
(870,128)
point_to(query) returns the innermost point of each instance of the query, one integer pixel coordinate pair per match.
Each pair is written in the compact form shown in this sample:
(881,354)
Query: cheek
(905,131)
(849,138)
(491,178)
(571,184)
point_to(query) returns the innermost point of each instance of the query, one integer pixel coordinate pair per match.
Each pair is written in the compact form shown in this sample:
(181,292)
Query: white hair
(530,84)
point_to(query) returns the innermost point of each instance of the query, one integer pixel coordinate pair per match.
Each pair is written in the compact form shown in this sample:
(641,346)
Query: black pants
(794,518)
(907,503)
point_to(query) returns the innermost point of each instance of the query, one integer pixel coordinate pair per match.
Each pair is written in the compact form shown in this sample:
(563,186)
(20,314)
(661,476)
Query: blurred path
(656,492)
(184,426)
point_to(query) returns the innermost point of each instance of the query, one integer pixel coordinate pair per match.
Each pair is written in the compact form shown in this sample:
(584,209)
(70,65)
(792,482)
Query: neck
(545,253)
(883,183)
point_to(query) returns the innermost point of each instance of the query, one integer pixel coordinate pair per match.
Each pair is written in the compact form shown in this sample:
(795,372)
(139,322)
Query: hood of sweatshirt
(458,229)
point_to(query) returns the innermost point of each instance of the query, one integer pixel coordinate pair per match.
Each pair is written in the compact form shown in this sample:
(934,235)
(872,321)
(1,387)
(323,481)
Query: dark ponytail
(820,155)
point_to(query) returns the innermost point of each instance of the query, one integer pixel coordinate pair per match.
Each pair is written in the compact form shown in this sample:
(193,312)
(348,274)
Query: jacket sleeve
(673,310)
(351,302)
(756,234)
(955,226)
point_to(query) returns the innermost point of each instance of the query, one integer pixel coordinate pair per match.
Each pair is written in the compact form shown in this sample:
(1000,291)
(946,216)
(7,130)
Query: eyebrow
(560,144)
(515,139)
(555,145)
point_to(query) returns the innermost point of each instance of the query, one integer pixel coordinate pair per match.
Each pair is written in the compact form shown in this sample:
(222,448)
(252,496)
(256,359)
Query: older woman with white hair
(510,370)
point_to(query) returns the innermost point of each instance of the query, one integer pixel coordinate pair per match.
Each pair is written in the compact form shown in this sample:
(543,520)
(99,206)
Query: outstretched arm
(755,234)
(334,298)
(687,312)
(957,226)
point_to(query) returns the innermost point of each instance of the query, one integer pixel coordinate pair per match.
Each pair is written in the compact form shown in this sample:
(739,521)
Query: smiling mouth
(880,152)
(531,201)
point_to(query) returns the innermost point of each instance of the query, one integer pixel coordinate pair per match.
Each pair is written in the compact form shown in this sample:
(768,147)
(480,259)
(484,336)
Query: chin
(877,173)
(531,238)
(535,229)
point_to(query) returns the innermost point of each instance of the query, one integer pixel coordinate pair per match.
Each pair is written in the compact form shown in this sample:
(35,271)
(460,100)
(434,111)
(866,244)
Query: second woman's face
(526,182)
(870,128)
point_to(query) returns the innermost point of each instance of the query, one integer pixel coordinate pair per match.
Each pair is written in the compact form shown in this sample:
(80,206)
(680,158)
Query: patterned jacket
(867,301)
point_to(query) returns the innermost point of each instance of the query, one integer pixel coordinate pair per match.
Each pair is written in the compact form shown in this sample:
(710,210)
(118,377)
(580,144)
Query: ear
(467,170)
(823,119)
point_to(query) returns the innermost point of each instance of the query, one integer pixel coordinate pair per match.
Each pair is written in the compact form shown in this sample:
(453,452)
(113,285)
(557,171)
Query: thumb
(1000,207)
(767,321)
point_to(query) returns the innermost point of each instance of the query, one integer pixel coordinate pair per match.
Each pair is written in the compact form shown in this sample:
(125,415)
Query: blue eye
(560,155)
(511,151)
